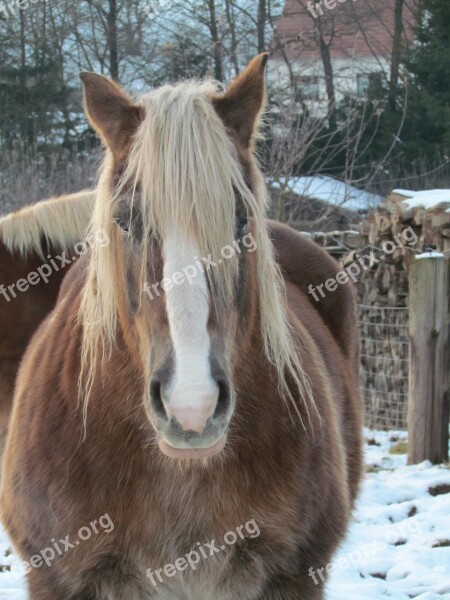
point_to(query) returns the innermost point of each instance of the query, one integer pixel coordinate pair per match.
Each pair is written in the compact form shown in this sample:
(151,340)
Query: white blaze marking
(192,394)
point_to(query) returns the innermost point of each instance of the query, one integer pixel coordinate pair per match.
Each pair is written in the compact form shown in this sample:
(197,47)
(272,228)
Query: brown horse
(182,390)
(29,238)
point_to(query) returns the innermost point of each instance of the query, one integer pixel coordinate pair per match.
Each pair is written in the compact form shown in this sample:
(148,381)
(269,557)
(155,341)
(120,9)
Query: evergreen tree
(429,65)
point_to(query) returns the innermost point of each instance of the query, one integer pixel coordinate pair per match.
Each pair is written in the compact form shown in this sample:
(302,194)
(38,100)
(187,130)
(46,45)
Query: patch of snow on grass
(398,545)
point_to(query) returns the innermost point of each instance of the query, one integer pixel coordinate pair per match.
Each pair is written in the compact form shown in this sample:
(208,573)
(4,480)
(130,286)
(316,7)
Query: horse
(29,238)
(187,420)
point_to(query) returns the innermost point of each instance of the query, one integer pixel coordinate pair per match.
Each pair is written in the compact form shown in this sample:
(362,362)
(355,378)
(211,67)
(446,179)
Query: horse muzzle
(192,422)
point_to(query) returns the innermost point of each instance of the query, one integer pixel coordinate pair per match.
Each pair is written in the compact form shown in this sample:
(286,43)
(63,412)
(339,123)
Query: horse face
(189,339)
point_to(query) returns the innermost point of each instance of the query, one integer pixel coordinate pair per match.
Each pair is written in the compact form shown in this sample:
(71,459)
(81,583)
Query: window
(369,84)
(307,88)
(363,82)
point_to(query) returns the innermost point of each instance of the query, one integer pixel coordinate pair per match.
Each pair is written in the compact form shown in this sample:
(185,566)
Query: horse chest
(196,546)
(213,570)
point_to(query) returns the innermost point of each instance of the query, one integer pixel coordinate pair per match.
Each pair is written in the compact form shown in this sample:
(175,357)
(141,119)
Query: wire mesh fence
(384,366)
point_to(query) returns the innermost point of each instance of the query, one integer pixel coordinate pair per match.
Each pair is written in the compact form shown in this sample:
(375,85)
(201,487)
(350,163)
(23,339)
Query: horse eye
(242,224)
(123,224)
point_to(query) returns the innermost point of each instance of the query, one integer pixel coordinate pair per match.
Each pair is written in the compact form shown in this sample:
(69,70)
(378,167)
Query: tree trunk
(26,127)
(217,45)
(329,79)
(396,51)
(232,25)
(112,41)
(261,26)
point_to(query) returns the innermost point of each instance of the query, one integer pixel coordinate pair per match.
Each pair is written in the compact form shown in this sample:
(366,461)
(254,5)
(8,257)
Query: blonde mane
(62,220)
(184,166)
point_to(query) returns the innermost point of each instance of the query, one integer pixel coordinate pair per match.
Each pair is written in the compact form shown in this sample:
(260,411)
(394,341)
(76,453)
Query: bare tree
(216,41)
(325,54)
(112,40)
(295,140)
(396,51)
(262,20)
(231,20)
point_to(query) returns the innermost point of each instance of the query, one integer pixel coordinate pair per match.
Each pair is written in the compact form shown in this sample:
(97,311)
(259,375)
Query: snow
(392,549)
(398,545)
(332,191)
(429,255)
(427,200)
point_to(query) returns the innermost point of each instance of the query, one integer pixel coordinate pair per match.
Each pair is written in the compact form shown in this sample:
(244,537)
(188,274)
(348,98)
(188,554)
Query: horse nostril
(224,399)
(156,399)
(185,412)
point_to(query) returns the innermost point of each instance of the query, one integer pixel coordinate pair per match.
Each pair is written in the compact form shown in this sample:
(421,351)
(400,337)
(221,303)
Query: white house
(358,34)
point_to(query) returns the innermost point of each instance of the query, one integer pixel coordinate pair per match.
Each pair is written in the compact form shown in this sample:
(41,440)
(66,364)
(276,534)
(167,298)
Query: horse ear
(111,112)
(241,104)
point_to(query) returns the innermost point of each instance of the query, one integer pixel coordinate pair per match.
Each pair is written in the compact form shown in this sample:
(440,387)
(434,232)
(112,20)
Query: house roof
(331,191)
(353,29)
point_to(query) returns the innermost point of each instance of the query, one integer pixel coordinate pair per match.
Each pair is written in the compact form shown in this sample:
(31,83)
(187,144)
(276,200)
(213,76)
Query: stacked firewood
(385,281)
(382,289)
(429,220)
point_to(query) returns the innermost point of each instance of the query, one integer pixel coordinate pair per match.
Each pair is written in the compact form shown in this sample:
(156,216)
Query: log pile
(382,290)
(425,216)
(427,213)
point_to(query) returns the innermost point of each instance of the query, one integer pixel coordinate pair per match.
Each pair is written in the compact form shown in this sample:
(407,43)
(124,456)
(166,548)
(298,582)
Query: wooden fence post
(429,362)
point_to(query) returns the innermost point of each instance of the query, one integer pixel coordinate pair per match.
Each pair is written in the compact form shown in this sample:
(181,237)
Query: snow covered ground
(398,545)
(399,542)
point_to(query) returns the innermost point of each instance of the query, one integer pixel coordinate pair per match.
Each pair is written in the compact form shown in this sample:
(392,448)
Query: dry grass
(26,175)
(400,448)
